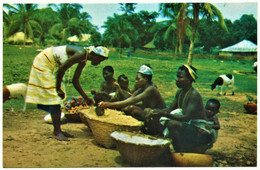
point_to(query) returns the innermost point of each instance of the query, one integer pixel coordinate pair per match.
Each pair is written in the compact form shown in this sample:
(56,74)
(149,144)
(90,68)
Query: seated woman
(146,93)
(187,106)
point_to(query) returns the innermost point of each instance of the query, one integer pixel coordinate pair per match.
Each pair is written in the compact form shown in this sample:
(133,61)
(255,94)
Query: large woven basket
(139,149)
(192,160)
(103,126)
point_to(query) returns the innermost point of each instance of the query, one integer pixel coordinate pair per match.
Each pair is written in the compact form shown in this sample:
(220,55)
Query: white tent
(243,46)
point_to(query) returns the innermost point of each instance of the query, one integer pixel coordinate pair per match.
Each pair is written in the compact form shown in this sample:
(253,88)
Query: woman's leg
(56,120)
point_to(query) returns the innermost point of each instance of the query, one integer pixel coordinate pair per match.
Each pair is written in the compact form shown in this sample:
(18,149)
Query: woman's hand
(116,84)
(89,101)
(103,105)
(61,94)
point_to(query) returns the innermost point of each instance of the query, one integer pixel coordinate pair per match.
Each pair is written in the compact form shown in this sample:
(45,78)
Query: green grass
(17,63)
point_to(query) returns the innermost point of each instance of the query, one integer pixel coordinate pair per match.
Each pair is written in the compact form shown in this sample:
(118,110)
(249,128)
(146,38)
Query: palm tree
(127,8)
(175,27)
(211,12)
(46,18)
(23,18)
(119,32)
(69,14)
(185,21)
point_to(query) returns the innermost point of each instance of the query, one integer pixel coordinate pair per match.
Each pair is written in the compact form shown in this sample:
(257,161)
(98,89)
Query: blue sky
(100,10)
(232,11)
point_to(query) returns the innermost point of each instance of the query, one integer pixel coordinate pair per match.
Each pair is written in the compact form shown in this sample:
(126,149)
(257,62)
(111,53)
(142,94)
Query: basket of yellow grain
(192,160)
(110,121)
(139,149)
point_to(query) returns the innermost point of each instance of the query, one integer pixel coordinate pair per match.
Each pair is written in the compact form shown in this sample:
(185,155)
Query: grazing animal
(223,81)
(14,91)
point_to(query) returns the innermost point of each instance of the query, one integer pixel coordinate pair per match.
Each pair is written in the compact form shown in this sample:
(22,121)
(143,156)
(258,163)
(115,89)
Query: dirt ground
(28,143)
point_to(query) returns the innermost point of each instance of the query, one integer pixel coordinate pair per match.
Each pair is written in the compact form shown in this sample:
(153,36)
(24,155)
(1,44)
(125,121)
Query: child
(107,88)
(123,91)
(212,108)
(108,85)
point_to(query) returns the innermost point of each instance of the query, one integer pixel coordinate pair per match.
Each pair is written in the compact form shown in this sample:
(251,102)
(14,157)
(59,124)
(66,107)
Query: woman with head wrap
(176,121)
(146,92)
(45,87)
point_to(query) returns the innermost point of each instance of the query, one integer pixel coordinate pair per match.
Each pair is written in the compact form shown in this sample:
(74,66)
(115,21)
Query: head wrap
(145,70)
(102,51)
(192,73)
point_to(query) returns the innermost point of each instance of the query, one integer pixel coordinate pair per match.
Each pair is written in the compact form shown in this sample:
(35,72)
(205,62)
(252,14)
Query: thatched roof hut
(19,37)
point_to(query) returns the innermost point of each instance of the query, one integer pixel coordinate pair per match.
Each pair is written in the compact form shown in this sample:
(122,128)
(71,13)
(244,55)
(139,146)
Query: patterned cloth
(145,70)
(102,51)
(42,81)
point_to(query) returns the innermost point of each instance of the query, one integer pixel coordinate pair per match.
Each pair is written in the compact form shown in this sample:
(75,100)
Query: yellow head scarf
(193,74)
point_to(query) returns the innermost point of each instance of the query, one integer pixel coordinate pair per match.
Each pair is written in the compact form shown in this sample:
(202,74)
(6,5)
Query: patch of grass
(17,63)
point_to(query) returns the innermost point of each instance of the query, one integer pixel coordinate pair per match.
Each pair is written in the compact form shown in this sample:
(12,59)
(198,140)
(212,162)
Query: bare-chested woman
(186,107)
(146,92)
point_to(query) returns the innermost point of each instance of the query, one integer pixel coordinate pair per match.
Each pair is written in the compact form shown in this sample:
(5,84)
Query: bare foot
(67,135)
(61,137)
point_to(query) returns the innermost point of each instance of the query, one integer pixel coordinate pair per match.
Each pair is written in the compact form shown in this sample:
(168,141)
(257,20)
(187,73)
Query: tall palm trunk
(194,30)
(24,36)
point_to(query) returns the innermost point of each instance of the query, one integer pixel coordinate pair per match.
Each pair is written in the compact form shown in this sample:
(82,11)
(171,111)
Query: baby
(211,109)
(123,91)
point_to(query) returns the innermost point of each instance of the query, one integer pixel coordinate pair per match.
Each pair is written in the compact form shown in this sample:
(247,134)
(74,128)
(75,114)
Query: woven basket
(72,117)
(139,149)
(103,126)
(192,160)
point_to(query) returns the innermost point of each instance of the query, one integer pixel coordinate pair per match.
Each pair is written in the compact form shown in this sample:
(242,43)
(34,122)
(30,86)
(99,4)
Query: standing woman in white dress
(45,87)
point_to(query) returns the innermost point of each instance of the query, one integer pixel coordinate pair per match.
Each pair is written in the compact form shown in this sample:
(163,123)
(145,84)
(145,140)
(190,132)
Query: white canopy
(243,46)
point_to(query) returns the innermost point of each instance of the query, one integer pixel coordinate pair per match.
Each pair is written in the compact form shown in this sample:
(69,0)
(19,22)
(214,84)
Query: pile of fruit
(73,104)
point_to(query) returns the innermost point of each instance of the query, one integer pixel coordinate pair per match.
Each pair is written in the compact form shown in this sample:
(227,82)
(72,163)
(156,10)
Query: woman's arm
(77,85)
(76,55)
(129,101)
(216,125)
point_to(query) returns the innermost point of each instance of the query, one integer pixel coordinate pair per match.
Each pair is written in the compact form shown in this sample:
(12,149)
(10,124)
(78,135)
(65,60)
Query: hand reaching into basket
(104,105)
(89,101)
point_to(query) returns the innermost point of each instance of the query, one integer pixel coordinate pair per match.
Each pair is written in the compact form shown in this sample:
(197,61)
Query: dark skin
(186,98)
(211,110)
(147,93)
(108,85)
(192,106)
(76,55)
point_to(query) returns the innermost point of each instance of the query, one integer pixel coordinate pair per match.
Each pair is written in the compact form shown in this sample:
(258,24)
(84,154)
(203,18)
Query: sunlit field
(237,141)
(17,63)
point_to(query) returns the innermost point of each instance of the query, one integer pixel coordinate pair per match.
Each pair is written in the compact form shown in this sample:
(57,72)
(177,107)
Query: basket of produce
(110,121)
(192,160)
(139,149)
(251,105)
(71,108)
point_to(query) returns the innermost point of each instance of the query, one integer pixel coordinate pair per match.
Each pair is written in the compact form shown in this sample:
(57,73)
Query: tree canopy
(187,23)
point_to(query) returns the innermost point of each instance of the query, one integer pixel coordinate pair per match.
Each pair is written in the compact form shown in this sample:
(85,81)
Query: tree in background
(245,28)
(212,37)
(127,8)
(22,18)
(119,32)
(46,17)
(209,11)
(68,14)
(175,28)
